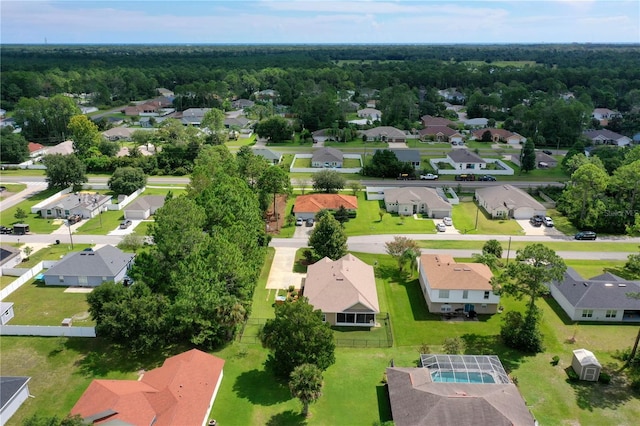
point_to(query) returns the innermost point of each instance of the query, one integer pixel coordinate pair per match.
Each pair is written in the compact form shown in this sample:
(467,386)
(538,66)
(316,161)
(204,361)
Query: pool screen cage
(465,365)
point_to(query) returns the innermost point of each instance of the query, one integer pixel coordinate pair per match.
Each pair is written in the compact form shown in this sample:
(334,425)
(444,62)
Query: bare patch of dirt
(275,222)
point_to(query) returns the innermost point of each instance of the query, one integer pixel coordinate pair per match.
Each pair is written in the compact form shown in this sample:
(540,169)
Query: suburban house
(327,157)
(85,204)
(428,120)
(143,207)
(371,114)
(384,134)
(455,390)
(271,156)
(119,133)
(453,95)
(603,115)
(407,201)
(242,103)
(193,116)
(466,161)
(90,268)
(543,161)
(607,137)
(10,257)
(6,312)
(165,92)
(499,135)
(323,135)
(440,134)
(507,201)
(180,392)
(306,206)
(601,298)
(13,392)
(153,108)
(409,156)
(476,123)
(63,148)
(239,121)
(344,290)
(267,94)
(36,149)
(456,287)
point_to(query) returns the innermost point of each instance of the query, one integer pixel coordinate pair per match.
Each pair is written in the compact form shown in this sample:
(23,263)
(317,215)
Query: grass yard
(351,163)
(21,172)
(302,162)
(176,190)
(5,280)
(37,225)
(143,227)
(52,252)
(552,174)
(12,188)
(464,217)
(561,222)
(583,246)
(37,304)
(101,224)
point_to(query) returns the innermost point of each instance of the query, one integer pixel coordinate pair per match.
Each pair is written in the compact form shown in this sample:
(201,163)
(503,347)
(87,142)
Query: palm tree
(306,385)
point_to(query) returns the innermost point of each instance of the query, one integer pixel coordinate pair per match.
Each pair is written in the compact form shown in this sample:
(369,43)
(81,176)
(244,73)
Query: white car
(447,221)
(440,227)
(548,222)
(429,176)
(299,221)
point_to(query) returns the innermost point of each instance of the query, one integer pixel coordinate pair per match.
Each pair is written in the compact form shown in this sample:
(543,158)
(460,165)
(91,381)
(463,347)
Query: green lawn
(5,280)
(37,304)
(12,188)
(303,162)
(101,224)
(351,163)
(21,172)
(37,225)
(464,218)
(52,252)
(583,246)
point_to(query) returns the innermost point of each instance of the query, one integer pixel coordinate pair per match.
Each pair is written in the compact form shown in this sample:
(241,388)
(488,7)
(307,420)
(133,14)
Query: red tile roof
(33,147)
(313,203)
(178,393)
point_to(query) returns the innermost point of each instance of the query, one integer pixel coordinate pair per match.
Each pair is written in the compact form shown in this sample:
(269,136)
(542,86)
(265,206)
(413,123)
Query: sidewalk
(31,189)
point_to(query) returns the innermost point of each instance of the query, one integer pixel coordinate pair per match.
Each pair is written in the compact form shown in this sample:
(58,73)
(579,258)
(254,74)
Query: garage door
(523,213)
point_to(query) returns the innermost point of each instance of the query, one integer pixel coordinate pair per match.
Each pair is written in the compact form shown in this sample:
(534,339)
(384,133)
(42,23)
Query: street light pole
(508,250)
(70,236)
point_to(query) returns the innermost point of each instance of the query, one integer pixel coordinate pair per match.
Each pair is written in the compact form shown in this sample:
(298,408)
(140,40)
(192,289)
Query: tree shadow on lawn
(476,344)
(596,395)
(384,405)
(414,292)
(261,387)
(557,309)
(287,418)
(102,357)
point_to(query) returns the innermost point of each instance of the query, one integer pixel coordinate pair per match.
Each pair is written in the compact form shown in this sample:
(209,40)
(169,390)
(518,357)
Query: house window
(486,295)
(104,279)
(61,278)
(324,318)
(348,318)
(48,212)
(587,313)
(83,281)
(465,294)
(67,213)
(443,294)
(611,313)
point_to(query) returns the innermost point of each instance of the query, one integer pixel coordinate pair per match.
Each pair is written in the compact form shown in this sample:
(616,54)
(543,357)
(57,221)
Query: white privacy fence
(47,331)
(23,275)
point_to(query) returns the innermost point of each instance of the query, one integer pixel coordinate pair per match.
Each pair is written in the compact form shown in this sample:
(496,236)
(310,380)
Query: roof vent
(585,284)
(457,269)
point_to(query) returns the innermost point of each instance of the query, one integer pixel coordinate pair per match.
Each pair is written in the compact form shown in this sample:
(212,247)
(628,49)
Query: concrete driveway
(529,229)
(281,275)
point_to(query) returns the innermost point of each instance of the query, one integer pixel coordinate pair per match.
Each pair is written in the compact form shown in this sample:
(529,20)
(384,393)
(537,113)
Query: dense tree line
(196,282)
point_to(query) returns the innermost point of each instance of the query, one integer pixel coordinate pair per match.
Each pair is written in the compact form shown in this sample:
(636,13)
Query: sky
(318,21)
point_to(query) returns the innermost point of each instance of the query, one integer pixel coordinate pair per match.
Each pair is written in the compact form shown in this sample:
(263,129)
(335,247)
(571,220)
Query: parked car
(546,151)
(440,227)
(536,221)
(74,218)
(429,176)
(5,230)
(488,178)
(548,222)
(299,221)
(447,221)
(125,224)
(466,177)
(310,222)
(585,235)
(406,176)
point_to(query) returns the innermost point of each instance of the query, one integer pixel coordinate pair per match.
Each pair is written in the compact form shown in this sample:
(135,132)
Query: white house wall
(563,302)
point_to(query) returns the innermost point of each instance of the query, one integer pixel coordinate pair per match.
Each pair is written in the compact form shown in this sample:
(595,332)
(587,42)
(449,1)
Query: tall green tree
(306,385)
(15,148)
(274,129)
(328,181)
(528,156)
(403,249)
(328,238)
(84,133)
(582,200)
(493,247)
(213,122)
(297,335)
(274,181)
(250,165)
(127,180)
(64,171)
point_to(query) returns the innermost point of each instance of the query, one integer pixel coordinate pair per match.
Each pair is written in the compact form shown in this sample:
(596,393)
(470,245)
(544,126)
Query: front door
(468,307)
(590,374)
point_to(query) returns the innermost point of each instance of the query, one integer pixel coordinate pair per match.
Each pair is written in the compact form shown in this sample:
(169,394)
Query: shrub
(604,378)
(555,360)
(635,385)
(573,376)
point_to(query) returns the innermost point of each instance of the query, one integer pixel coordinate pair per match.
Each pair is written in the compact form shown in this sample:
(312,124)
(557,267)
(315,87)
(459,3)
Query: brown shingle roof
(417,401)
(336,286)
(444,273)
(178,393)
(428,120)
(313,203)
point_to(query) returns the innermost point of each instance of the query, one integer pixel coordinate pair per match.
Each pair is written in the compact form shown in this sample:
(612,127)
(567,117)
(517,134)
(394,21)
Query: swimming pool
(461,377)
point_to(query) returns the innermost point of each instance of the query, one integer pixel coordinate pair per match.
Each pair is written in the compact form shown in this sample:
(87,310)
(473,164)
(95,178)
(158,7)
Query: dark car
(546,151)
(5,230)
(310,222)
(125,224)
(536,221)
(586,235)
(488,178)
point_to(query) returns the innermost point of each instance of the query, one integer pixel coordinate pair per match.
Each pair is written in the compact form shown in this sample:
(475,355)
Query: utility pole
(508,250)
(70,236)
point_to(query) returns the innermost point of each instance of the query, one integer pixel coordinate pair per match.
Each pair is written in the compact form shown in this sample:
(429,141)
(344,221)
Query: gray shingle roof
(9,386)
(82,199)
(405,155)
(327,155)
(144,203)
(507,196)
(417,401)
(465,156)
(606,291)
(268,154)
(416,195)
(107,261)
